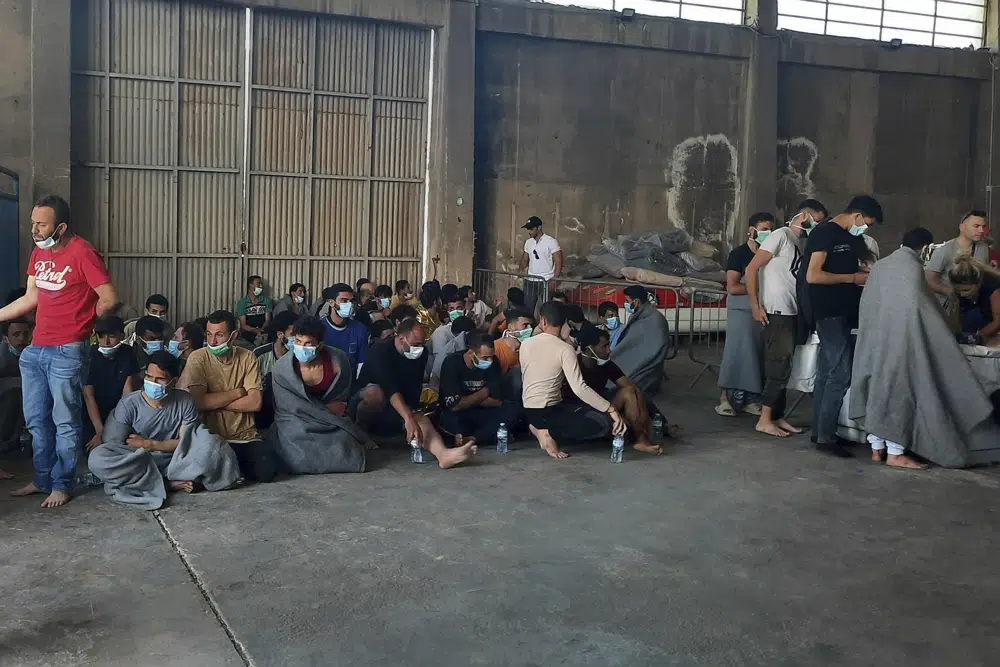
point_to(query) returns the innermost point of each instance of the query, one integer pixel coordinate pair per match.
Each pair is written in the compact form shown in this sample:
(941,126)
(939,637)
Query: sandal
(725,410)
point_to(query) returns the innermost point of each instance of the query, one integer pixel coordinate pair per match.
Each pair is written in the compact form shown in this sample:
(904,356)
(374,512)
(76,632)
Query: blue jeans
(52,381)
(833,375)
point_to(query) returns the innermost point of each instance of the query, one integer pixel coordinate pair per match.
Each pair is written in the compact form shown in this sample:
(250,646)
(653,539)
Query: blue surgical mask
(289,344)
(305,353)
(345,310)
(628,307)
(383,303)
(762,236)
(153,346)
(455,314)
(612,323)
(155,391)
(858,230)
(483,364)
(174,348)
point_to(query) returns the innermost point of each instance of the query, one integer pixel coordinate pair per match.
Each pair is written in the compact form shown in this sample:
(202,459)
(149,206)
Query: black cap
(533,221)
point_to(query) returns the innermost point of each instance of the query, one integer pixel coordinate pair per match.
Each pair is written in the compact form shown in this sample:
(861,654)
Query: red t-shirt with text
(67,301)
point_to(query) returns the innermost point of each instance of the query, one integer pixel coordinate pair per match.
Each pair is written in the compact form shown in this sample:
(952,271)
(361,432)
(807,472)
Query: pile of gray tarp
(670,253)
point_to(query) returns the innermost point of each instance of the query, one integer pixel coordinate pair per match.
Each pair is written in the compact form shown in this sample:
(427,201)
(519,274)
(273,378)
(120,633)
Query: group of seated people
(200,407)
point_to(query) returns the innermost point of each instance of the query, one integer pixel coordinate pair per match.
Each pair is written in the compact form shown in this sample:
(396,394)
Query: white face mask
(50,242)
(257,291)
(414,352)
(593,355)
(299,299)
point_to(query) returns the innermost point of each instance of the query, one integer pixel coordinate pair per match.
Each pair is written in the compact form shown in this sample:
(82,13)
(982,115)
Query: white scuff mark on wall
(703,188)
(573,224)
(797,159)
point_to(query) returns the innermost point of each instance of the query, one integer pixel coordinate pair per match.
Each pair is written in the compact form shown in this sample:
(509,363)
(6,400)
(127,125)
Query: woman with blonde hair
(977,288)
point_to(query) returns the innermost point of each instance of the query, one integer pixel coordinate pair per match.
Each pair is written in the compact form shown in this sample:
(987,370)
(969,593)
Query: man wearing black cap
(542,257)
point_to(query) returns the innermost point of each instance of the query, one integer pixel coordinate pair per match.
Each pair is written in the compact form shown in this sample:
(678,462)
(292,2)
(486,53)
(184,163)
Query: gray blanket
(134,476)
(742,358)
(306,435)
(642,347)
(911,383)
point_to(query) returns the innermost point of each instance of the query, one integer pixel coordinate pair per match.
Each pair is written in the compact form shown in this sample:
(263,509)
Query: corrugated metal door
(338,150)
(331,187)
(157,143)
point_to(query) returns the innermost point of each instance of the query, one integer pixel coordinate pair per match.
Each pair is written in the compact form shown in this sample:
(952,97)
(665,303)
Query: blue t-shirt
(352,340)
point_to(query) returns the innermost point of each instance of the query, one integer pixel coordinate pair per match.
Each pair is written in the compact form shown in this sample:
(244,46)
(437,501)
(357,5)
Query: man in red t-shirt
(69,286)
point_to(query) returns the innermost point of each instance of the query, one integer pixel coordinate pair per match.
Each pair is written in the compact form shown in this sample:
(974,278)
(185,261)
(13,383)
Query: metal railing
(707,330)
(589,294)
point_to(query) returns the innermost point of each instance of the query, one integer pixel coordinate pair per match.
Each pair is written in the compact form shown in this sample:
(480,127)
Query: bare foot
(770,428)
(456,455)
(462,441)
(904,461)
(878,455)
(180,485)
(648,448)
(785,426)
(56,499)
(5,475)
(26,491)
(548,443)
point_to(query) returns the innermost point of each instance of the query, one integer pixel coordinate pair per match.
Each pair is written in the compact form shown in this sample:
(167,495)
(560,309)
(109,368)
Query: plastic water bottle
(658,425)
(617,449)
(502,439)
(88,480)
(416,452)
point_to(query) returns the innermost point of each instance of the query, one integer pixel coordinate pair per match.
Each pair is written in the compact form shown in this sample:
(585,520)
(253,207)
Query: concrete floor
(732,549)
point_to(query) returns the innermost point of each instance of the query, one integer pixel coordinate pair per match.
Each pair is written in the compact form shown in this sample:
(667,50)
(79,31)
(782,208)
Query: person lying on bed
(642,345)
(546,362)
(142,443)
(311,387)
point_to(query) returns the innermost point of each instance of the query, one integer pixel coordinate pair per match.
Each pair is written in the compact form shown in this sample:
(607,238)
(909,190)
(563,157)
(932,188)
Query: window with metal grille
(715,11)
(946,23)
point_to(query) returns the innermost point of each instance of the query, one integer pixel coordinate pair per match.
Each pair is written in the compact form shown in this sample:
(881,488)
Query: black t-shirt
(739,259)
(107,376)
(983,301)
(458,380)
(394,373)
(842,253)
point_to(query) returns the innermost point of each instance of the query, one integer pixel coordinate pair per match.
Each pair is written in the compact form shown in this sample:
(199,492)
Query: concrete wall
(34,100)
(603,127)
(599,140)
(911,140)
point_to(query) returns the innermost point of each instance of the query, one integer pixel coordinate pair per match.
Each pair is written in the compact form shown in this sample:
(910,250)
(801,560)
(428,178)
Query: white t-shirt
(777,279)
(543,265)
